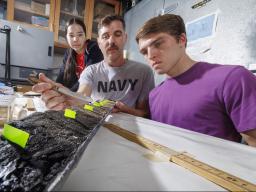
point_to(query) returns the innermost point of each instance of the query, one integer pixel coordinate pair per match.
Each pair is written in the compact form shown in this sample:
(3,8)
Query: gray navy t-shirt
(129,83)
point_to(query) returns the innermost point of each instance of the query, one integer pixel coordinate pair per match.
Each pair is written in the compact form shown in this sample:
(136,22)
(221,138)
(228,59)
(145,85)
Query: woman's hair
(70,65)
(75,21)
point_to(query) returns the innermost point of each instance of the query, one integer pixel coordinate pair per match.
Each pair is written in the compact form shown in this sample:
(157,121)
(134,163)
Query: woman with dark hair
(82,53)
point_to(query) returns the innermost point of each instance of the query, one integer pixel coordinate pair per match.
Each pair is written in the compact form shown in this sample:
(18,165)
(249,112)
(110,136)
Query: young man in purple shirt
(217,100)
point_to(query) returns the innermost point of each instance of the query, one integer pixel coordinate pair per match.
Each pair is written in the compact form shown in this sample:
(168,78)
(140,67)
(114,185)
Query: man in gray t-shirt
(130,83)
(115,78)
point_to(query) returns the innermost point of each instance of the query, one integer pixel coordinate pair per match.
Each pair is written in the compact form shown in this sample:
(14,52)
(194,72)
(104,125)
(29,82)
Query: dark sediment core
(53,142)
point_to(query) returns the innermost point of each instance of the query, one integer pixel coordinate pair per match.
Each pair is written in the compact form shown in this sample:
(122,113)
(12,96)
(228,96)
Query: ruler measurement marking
(236,184)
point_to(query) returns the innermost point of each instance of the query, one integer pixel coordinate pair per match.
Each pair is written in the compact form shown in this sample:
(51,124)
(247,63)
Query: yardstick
(217,176)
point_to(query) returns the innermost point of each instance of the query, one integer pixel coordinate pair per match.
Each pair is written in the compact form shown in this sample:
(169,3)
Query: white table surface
(113,163)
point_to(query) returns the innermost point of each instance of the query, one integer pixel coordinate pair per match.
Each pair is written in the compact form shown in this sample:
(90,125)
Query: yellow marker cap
(104,102)
(97,104)
(70,113)
(88,107)
(15,135)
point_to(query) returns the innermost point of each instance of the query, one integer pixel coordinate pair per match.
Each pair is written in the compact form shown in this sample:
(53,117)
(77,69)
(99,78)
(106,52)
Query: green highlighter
(15,135)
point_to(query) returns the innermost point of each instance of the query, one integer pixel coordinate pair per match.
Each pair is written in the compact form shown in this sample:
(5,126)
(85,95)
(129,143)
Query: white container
(47,9)
(5,108)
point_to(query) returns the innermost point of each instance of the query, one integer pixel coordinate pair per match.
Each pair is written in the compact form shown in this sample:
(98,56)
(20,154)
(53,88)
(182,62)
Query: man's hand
(121,107)
(53,99)
(250,137)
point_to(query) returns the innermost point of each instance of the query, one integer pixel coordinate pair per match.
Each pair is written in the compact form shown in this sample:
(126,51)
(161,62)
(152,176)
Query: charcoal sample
(54,142)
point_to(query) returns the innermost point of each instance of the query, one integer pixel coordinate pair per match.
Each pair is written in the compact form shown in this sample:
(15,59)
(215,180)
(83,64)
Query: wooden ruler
(217,176)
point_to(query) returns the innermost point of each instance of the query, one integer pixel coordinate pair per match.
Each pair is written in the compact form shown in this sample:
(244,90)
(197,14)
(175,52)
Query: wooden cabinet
(53,14)
(34,12)
(91,11)
(101,8)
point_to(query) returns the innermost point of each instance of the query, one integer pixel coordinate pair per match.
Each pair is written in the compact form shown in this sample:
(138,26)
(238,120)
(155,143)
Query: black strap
(7,76)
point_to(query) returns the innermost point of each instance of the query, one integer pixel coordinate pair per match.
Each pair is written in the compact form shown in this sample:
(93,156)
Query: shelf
(32,25)
(72,15)
(27,8)
(32,12)
(34,20)
(60,48)
(61,45)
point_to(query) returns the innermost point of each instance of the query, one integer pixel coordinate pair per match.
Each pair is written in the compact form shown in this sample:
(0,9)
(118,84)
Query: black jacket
(93,55)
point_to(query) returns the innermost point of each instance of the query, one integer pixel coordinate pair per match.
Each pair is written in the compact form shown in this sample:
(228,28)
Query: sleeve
(239,93)
(148,84)
(60,77)
(94,53)
(86,76)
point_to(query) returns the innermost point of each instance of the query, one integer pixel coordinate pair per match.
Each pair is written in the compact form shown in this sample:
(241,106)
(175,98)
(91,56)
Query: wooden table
(24,88)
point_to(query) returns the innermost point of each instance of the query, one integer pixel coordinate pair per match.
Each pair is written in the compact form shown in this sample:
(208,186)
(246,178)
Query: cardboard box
(38,7)
(37,20)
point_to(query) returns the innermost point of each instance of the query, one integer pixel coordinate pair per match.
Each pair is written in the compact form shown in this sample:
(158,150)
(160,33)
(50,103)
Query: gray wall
(235,40)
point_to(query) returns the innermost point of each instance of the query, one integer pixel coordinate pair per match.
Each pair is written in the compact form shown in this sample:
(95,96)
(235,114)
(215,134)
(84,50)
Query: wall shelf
(26,8)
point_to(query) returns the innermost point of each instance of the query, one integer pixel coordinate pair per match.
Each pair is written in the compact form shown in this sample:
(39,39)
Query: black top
(93,55)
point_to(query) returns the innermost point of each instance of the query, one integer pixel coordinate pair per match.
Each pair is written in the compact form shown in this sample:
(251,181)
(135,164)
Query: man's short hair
(168,23)
(105,21)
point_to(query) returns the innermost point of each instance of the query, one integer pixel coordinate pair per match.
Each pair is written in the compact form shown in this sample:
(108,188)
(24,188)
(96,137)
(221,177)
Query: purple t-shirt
(217,100)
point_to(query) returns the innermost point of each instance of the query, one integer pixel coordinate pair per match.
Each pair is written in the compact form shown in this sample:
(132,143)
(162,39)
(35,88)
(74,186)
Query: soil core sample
(53,143)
